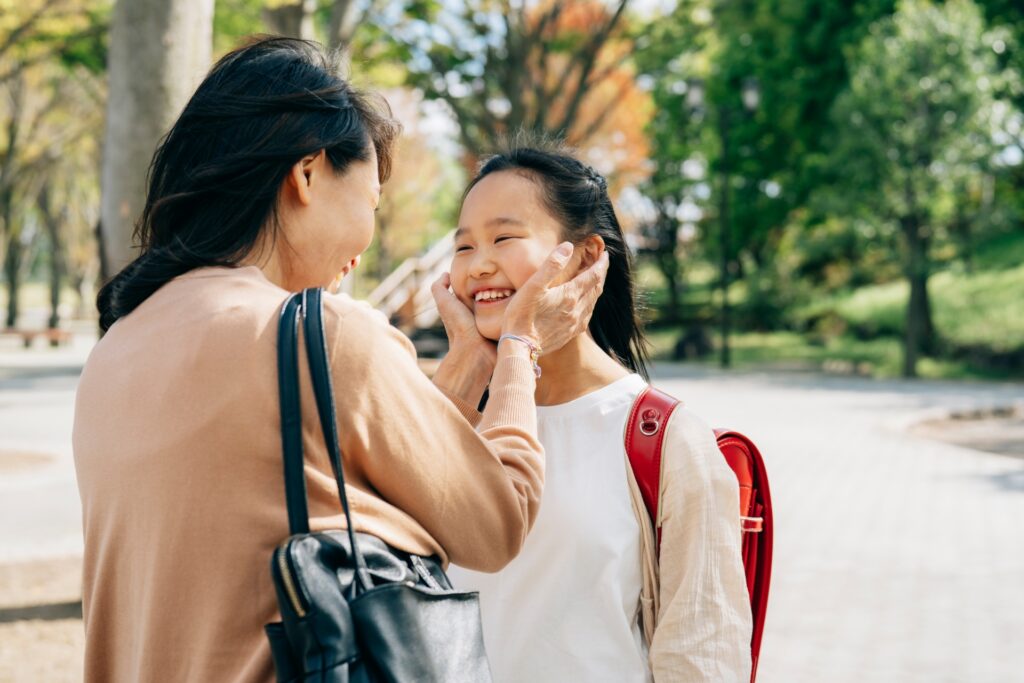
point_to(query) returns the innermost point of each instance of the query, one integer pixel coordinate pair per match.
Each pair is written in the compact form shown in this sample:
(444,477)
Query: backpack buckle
(751,525)
(650,422)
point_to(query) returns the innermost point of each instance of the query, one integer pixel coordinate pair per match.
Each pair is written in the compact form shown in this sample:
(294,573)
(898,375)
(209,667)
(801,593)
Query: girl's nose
(481,266)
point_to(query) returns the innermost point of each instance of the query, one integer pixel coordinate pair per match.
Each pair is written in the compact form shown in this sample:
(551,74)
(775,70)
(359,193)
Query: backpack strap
(645,435)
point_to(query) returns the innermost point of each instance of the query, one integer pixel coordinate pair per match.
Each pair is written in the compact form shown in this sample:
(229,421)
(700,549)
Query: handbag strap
(323,390)
(309,304)
(291,415)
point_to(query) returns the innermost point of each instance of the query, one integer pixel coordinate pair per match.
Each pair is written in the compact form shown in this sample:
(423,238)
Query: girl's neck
(576,369)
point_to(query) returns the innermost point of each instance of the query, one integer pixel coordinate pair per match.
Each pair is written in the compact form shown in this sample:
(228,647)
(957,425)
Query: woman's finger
(585,289)
(552,267)
(591,281)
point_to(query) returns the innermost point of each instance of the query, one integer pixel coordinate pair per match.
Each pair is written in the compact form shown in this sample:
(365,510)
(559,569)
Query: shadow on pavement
(52,612)
(1012,482)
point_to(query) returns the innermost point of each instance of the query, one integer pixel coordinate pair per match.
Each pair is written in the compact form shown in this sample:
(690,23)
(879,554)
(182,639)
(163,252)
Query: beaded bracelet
(534,350)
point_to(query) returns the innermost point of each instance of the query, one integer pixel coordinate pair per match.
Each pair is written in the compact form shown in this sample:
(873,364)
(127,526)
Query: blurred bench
(56,337)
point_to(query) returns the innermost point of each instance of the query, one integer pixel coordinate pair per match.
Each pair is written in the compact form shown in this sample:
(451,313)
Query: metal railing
(405,293)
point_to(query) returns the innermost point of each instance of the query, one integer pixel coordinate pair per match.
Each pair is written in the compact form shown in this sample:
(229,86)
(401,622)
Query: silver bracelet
(534,350)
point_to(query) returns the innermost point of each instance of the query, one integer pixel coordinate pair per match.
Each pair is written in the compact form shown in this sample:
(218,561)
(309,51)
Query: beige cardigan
(695,607)
(178,453)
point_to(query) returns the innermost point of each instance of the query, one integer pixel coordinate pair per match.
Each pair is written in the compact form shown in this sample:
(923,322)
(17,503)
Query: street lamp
(750,96)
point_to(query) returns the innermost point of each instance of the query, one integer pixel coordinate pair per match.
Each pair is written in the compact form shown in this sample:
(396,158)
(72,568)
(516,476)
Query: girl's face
(504,235)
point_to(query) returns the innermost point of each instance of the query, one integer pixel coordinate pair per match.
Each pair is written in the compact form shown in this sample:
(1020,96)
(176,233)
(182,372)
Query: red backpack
(644,440)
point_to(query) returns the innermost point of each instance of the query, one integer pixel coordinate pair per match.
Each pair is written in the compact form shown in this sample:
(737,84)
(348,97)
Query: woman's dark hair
(215,177)
(577,197)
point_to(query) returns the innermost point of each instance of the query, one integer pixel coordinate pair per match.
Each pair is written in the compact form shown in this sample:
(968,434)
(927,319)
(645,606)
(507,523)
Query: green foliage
(979,308)
(502,66)
(793,51)
(87,47)
(233,20)
(919,113)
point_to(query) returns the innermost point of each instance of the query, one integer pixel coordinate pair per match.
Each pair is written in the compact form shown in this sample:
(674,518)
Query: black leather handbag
(352,608)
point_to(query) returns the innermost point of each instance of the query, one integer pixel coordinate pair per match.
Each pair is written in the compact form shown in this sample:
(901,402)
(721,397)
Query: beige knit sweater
(178,452)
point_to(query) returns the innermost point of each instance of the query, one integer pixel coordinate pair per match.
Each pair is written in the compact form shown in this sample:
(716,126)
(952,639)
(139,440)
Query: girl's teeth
(493,295)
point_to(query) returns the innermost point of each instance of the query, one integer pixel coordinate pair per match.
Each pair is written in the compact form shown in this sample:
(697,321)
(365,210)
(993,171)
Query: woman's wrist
(466,370)
(522,330)
(520,342)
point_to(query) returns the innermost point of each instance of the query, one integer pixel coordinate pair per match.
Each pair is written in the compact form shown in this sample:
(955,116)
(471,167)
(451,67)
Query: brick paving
(897,558)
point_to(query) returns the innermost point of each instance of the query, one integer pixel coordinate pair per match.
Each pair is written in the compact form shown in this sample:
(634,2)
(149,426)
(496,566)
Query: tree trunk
(12,274)
(78,284)
(668,264)
(344,20)
(919,334)
(52,223)
(159,50)
(294,19)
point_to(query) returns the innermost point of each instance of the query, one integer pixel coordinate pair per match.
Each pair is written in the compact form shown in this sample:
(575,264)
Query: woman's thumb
(553,265)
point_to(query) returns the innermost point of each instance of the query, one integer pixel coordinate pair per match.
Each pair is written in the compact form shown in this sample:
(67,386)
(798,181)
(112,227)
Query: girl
(586,600)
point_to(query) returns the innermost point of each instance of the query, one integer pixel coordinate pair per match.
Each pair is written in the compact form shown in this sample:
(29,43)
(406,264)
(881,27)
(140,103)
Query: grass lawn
(841,355)
(984,307)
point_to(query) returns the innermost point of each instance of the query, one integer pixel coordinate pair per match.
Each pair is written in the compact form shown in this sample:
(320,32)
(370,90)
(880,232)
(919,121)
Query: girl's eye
(503,238)
(462,248)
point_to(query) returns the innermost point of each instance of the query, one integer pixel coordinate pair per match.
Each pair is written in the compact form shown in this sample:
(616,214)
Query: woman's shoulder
(362,326)
(344,306)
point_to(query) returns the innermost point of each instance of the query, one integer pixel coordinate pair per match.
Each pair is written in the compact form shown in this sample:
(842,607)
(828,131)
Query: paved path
(897,559)
(40,513)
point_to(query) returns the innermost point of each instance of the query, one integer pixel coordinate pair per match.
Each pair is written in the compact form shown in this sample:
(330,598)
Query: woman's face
(504,235)
(329,220)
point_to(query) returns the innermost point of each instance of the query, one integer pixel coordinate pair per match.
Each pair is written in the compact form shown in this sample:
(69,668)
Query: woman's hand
(552,315)
(467,368)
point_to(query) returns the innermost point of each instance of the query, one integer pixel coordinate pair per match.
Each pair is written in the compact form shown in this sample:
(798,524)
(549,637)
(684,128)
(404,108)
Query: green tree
(917,115)
(502,66)
(672,56)
(1009,15)
(760,162)
(48,49)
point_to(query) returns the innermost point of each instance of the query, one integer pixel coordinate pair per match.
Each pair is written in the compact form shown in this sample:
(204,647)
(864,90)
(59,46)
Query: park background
(822,196)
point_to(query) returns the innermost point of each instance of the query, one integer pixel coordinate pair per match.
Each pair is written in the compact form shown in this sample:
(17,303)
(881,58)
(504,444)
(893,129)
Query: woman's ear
(300,177)
(590,250)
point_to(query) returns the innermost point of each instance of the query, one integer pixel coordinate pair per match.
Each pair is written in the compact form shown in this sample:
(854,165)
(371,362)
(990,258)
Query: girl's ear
(590,250)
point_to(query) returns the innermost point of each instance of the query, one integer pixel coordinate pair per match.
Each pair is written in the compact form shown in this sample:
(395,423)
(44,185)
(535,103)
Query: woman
(586,600)
(266,185)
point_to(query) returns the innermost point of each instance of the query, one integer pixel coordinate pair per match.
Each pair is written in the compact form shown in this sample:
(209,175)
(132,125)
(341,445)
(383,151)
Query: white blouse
(567,608)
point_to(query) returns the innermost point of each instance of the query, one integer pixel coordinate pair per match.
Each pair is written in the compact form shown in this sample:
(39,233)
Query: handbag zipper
(289,582)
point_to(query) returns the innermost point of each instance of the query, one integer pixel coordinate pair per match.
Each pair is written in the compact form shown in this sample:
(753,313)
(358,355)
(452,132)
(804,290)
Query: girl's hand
(459,323)
(467,368)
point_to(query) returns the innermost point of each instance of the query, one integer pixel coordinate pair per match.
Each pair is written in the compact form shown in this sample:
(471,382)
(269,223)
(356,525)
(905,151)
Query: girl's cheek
(459,287)
(530,262)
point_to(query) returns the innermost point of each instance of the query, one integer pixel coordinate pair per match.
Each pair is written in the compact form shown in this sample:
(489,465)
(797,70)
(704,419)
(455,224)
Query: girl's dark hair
(577,197)
(215,177)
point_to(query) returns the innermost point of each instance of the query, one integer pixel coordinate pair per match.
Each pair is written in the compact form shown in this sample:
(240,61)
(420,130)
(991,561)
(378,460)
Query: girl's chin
(488,330)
